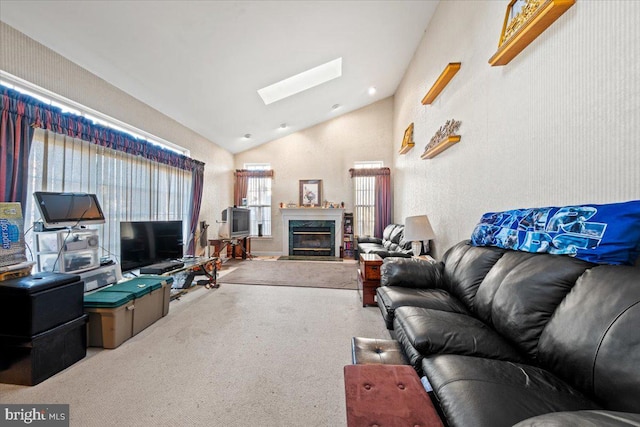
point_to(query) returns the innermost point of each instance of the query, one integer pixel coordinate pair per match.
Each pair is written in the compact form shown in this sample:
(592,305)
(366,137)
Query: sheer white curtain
(128,187)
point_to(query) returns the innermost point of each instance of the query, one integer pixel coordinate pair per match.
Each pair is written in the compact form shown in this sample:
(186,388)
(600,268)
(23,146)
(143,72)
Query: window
(129,188)
(259,200)
(364,200)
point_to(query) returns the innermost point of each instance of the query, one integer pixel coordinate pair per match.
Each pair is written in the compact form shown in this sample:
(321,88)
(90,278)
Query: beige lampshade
(418,229)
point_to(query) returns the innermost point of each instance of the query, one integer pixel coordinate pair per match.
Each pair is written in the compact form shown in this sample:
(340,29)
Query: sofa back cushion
(465,267)
(520,293)
(386,233)
(593,339)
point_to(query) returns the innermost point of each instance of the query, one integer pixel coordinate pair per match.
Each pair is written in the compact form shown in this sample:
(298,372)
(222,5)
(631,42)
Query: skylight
(301,82)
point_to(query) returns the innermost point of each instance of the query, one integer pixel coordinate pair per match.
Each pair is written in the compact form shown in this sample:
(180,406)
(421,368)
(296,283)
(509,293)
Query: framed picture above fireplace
(311,192)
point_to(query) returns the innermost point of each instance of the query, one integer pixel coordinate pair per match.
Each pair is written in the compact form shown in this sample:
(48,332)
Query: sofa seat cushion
(392,297)
(440,332)
(479,392)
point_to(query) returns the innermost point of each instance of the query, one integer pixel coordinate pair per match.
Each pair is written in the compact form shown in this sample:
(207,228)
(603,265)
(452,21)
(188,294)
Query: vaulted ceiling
(202,62)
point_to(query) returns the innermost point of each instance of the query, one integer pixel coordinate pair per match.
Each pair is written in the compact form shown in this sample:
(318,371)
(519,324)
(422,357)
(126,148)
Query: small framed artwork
(311,192)
(407,140)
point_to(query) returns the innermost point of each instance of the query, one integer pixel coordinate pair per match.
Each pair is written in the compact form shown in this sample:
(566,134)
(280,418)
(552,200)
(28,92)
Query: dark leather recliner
(503,336)
(392,244)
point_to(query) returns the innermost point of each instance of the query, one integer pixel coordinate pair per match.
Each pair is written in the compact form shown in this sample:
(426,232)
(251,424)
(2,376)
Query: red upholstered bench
(387,395)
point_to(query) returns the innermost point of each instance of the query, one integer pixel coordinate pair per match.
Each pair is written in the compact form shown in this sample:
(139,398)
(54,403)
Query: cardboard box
(12,249)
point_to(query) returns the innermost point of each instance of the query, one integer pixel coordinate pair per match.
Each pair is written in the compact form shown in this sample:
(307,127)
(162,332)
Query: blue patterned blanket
(603,234)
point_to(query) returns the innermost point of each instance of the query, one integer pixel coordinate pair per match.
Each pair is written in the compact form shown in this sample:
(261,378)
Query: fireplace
(312,238)
(318,231)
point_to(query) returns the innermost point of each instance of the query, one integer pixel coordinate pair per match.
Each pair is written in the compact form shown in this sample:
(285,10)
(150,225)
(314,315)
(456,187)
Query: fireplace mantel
(321,214)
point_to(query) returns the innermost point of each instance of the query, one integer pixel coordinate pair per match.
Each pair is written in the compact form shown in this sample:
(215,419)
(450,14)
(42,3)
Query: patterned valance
(369,171)
(48,117)
(254,173)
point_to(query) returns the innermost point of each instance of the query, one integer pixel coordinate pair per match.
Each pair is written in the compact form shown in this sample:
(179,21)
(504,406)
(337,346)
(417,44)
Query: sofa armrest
(411,273)
(368,239)
(583,418)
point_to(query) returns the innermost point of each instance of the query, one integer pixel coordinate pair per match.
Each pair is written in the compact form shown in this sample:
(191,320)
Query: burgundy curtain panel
(242,182)
(16,135)
(241,186)
(382,202)
(197,183)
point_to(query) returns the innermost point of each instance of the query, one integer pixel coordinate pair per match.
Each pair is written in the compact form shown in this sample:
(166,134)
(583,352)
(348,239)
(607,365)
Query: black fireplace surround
(312,238)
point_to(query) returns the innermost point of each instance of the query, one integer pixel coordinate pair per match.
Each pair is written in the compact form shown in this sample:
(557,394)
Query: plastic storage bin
(34,304)
(148,300)
(110,318)
(31,360)
(167,282)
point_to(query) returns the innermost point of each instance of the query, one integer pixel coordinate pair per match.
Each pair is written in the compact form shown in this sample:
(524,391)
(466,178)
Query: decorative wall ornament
(444,138)
(407,141)
(517,18)
(523,22)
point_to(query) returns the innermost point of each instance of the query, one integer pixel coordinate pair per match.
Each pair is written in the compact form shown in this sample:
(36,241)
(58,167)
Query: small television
(236,223)
(144,243)
(60,210)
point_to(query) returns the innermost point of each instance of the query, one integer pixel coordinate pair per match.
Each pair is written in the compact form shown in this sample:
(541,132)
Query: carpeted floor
(308,258)
(294,273)
(235,356)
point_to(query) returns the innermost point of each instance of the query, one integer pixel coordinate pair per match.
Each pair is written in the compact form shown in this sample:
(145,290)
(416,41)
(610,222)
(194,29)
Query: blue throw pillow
(602,234)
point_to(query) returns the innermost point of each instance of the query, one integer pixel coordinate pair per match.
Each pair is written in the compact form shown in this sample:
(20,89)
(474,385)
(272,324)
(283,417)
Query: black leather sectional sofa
(507,337)
(392,243)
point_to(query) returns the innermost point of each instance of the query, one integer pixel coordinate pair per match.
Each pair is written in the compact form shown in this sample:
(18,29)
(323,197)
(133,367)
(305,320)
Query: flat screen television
(60,210)
(236,223)
(144,243)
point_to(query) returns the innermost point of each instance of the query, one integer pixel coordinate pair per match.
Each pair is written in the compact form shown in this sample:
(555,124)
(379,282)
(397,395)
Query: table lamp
(416,230)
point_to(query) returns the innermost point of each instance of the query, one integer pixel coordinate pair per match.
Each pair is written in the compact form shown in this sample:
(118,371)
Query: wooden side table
(368,278)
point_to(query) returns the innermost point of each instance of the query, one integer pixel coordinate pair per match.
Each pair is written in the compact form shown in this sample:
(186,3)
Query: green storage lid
(107,299)
(153,279)
(138,289)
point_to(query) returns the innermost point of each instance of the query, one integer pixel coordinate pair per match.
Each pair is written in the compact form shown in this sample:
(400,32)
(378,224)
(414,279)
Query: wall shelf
(441,146)
(406,148)
(545,15)
(442,81)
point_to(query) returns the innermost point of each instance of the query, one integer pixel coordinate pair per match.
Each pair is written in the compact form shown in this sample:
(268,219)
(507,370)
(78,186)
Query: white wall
(31,61)
(558,125)
(326,151)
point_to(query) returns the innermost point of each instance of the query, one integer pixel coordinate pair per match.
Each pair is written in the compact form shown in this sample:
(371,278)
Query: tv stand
(239,247)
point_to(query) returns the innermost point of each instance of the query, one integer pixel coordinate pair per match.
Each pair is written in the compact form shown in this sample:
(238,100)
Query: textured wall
(31,61)
(327,152)
(558,125)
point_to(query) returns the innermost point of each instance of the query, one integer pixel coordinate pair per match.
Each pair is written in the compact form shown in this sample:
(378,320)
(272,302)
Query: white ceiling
(202,62)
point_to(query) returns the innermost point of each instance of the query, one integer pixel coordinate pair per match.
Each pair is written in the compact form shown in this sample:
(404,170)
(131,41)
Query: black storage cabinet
(42,326)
